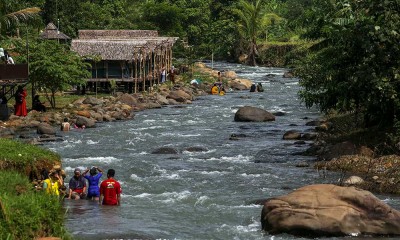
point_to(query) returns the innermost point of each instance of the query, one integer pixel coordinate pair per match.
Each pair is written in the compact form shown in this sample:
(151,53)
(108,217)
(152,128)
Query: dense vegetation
(26,213)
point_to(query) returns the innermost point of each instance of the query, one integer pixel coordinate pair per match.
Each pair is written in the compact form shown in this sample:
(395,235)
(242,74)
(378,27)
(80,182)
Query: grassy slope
(24,212)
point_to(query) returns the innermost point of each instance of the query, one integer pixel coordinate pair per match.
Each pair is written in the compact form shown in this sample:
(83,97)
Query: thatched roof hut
(52,32)
(119,44)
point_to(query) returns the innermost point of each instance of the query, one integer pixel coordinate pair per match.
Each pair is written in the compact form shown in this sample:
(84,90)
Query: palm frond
(22,15)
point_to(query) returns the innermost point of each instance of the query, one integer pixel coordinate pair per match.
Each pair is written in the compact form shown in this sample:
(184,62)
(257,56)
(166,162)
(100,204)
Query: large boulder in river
(84,121)
(179,96)
(45,128)
(329,210)
(253,114)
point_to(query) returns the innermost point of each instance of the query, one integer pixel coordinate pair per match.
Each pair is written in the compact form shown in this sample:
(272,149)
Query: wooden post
(136,72)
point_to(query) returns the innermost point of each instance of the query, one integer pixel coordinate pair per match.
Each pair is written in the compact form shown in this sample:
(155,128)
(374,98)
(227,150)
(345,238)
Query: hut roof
(51,32)
(116,34)
(119,44)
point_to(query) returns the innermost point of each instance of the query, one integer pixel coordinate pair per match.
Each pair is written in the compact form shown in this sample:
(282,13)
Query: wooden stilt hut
(131,58)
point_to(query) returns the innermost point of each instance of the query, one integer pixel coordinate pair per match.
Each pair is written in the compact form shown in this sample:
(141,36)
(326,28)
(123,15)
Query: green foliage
(25,213)
(55,68)
(355,65)
(24,154)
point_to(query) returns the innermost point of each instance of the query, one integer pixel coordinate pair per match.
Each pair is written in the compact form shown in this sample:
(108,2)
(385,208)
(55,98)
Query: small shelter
(130,58)
(51,32)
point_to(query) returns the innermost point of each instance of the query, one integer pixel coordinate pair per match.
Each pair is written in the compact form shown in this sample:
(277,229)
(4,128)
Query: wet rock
(302,165)
(165,150)
(84,121)
(309,136)
(291,135)
(279,114)
(45,128)
(196,149)
(179,96)
(300,142)
(329,210)
(253,114)
(288,75)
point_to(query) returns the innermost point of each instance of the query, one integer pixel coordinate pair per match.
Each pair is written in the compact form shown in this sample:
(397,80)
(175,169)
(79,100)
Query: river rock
(179,96)
(165,150)
(230,74)
(128,99)
(196,149)
(161,99)
(329,210)
(89,123)
(237,85)
(45,128)
(253,114)
(339,149)
(292,135)
(92,101)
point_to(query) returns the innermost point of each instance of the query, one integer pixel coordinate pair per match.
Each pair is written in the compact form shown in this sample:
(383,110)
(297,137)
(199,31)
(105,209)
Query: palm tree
(251,16)
(15,18)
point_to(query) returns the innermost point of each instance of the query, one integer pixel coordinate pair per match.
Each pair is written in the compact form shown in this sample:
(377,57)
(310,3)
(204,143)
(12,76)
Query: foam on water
(90,142)
(93,159)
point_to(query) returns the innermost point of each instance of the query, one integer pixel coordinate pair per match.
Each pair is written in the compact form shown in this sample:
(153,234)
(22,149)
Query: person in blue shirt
(93,178)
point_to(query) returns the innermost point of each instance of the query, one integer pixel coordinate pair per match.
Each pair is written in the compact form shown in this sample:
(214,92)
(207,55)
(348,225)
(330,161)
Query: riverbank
(26,212)
(365,157)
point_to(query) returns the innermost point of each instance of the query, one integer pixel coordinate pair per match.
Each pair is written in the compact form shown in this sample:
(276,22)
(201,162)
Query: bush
(26,213)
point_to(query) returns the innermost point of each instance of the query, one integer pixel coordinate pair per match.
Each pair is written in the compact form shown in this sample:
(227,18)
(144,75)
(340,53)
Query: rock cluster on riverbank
(89,111)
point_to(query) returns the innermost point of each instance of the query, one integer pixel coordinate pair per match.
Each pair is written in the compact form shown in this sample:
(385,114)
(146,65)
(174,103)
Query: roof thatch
(116,34)
(51,32)
(120,44)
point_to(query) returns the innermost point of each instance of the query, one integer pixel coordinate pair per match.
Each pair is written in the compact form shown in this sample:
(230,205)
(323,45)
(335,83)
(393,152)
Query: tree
(7,20)
(250,25)
(355,64)
(55,68)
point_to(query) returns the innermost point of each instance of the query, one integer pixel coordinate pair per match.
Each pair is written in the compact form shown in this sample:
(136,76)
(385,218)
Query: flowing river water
(195,195)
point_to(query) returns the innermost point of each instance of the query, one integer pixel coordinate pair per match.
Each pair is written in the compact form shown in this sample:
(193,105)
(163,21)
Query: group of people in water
(218,88)
(85,186)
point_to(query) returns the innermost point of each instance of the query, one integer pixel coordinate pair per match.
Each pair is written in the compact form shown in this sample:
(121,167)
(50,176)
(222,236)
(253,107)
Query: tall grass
(23,154)
(26,213)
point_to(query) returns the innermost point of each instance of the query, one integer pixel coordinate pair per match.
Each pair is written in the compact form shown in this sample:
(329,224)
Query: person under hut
(38,105)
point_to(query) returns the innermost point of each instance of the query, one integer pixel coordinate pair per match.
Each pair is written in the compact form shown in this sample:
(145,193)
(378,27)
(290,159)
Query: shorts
(93,193)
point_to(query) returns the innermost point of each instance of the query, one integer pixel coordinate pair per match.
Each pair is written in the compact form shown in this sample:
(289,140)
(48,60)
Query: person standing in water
(110,190)
(93,179)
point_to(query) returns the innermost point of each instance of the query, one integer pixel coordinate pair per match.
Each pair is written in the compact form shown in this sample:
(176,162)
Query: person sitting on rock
(38,105)
(77,186)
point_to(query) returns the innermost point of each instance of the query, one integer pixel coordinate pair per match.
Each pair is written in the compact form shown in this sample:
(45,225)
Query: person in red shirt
(110,190)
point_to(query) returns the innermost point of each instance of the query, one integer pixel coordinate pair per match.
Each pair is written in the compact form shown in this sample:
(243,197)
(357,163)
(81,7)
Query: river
(195,195)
